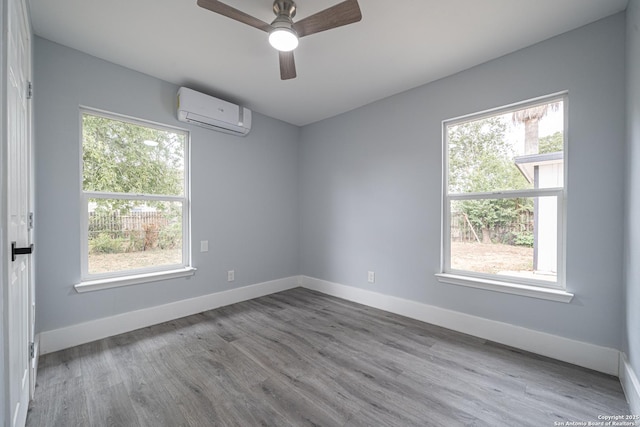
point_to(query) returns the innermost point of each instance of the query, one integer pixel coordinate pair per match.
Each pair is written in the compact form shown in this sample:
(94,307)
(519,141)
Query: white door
(19,326)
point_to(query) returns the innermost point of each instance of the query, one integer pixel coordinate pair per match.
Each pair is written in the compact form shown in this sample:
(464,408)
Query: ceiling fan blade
(287,65)
(233,13)
(341,14)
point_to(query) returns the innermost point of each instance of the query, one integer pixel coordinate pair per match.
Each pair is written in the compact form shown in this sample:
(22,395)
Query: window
(135,205)
(503,219)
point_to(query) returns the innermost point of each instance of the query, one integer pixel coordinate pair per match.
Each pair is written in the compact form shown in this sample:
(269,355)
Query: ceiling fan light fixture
(283,39)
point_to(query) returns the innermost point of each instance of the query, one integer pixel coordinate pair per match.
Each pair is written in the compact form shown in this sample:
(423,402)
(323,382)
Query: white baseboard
(580,353)
(73,335)
(602,359)
(630,384)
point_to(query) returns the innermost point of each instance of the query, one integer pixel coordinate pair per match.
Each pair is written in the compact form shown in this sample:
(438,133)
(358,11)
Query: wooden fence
(463,231)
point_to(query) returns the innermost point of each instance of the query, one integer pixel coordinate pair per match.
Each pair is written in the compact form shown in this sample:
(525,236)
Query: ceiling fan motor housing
(284,7)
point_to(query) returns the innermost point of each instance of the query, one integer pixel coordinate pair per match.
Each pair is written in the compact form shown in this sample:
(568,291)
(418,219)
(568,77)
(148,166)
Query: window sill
(508,288)
(116,282)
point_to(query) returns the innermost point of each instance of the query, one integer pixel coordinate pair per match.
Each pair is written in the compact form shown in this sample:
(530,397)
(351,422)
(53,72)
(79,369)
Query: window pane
(518,150)
(510,237)
(124,157)
(133,234)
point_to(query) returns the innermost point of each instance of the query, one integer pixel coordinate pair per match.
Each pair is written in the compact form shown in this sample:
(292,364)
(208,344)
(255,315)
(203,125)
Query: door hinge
(30,222)
(31,350)
(29,90)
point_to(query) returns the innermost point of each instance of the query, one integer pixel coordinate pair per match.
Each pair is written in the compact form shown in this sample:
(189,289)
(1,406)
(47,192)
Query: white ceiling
(398,45)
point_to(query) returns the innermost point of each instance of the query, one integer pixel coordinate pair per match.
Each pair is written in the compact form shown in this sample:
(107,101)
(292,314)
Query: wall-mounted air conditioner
(212,113)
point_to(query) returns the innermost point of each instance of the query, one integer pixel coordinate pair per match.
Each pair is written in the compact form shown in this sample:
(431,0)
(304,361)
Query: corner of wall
(630,384)
(630,360)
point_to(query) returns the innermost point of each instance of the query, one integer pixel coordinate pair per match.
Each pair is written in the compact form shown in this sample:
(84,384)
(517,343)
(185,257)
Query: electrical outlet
(231,276)
(204,246)
(371,277)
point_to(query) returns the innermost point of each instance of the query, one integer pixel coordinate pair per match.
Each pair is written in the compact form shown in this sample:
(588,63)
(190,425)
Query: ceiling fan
(283,32)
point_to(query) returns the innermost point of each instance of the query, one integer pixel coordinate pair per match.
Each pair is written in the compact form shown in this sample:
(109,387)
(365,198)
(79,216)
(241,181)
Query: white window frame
(507,284)
(91,282)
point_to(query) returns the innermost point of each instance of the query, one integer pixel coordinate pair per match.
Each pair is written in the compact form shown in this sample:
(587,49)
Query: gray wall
(369,194)
(244,190)
(631,344)
(370,185)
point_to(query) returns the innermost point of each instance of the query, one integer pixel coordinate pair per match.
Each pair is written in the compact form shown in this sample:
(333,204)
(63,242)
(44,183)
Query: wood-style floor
(301,358)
